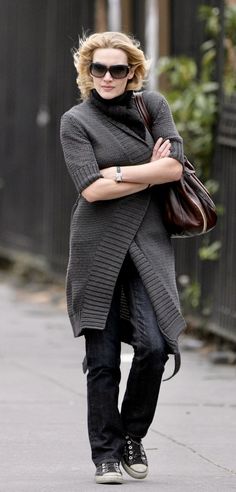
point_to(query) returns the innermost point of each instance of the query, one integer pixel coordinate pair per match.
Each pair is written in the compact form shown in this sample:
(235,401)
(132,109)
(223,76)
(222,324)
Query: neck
(121,100)
(120,109)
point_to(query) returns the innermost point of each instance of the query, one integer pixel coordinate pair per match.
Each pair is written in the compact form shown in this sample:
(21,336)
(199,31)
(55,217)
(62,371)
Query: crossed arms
(161,169)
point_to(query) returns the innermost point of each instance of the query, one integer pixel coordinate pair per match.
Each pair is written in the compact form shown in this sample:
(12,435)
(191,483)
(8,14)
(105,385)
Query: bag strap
(177,366)
(142,108)
(143,111)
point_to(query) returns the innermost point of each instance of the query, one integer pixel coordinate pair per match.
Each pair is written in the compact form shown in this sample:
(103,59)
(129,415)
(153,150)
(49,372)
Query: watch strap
(118,175)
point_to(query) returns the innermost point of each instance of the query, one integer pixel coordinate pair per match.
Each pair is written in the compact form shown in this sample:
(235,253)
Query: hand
(161,149)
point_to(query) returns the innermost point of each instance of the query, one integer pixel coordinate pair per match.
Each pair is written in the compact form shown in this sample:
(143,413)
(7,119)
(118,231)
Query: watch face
(118,177)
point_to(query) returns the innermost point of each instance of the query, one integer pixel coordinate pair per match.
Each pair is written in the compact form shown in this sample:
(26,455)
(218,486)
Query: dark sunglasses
(116,71)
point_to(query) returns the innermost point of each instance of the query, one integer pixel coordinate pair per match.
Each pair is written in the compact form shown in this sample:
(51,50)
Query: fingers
(164,149)
(158,144)
(161,145)
(161,149)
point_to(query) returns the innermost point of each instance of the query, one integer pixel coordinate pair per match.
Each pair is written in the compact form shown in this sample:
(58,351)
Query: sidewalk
(44,447)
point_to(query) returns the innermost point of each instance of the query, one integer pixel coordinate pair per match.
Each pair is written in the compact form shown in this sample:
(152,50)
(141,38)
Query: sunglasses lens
(117,71)
(98,70)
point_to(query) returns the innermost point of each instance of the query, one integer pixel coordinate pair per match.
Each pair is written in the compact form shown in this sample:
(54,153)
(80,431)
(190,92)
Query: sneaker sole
(133,473)
(109,478)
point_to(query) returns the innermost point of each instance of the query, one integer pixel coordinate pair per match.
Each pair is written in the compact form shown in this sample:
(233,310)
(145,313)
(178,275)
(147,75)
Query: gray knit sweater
(103,232)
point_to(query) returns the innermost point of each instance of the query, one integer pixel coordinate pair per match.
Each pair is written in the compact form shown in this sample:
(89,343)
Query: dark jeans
(107,426)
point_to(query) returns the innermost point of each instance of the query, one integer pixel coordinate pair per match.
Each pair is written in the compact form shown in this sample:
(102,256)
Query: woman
(121,274)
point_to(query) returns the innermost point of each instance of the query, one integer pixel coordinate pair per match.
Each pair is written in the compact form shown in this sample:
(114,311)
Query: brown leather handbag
(188,209)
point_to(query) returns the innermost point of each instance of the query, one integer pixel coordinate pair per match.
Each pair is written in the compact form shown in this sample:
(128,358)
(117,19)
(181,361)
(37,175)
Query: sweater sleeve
(78,153)
(163,124)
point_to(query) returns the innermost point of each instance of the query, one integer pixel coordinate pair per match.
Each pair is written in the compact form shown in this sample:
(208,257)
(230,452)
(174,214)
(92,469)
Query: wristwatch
(118,175)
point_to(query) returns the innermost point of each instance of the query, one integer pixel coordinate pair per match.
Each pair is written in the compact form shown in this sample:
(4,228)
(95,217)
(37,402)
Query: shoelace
(108,467)
(116,466)
(135,450)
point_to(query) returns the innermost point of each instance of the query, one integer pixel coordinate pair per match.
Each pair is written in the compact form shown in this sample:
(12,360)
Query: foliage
(210,15)
(192,96)
(211,18)
(190,293)
(211,251)
(192,89)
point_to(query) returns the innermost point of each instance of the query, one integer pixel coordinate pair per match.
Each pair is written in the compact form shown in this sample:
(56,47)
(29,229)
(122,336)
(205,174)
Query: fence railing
(37,86)
(217,278)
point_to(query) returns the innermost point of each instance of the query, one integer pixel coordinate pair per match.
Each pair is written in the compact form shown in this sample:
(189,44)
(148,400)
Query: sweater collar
(121,100)
(121,110)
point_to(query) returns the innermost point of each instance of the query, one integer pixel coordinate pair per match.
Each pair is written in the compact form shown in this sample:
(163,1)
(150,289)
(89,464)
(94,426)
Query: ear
(131,73)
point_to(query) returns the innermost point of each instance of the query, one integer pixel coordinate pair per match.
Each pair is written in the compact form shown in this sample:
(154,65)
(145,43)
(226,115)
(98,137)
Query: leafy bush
(192,90)
(192,95)
(211,18)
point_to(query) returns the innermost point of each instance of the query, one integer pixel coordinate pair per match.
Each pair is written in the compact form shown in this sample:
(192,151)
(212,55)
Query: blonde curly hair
(83,57)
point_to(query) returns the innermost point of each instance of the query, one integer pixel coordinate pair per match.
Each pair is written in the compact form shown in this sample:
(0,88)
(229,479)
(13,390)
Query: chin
(105,95)
(109,94)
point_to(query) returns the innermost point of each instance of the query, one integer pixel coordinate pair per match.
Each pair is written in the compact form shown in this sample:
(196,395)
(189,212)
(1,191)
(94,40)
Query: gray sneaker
(108,473)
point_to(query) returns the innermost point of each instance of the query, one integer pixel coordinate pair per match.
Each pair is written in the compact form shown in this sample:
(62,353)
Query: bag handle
(142,108)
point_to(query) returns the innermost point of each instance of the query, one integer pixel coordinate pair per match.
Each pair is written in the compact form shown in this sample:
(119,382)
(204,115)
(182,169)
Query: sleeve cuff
(84,178)
(177,151)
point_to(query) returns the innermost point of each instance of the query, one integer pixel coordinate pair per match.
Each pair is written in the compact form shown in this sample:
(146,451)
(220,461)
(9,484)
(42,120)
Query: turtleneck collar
(120,108)
(121,100)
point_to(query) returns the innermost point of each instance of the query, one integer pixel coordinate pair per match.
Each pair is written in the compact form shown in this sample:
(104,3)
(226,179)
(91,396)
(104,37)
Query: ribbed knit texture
(103,232)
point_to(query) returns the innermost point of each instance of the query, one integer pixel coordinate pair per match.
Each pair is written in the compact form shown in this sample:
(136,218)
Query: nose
(107,76)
